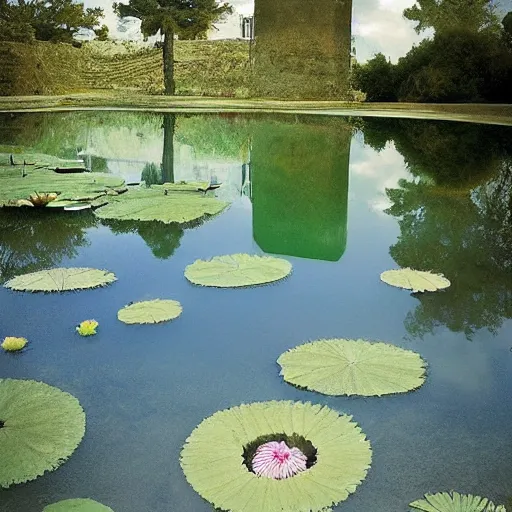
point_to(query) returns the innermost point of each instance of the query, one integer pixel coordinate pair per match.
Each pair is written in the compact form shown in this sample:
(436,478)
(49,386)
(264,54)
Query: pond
(342,199)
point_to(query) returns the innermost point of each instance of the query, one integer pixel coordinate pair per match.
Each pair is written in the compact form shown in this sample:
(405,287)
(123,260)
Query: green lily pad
(352,367)
(212,458)
(237,270)
(191,186)
(68,204)
(455,502)
(154,205)
(40,427)
(77,505)
(61,279)
(150,312)
(38,160)
(14,186)
(415,280)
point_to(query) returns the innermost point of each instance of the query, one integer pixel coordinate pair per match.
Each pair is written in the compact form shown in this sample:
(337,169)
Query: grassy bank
(211,68)
(111,100)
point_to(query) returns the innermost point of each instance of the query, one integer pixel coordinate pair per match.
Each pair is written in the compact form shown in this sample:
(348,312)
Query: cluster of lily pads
(276,456)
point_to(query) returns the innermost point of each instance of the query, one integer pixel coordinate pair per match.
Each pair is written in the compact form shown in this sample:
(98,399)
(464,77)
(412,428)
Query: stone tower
(302,48)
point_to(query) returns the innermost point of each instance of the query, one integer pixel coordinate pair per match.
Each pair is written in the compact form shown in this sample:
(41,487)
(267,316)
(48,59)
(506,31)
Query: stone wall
(302,48)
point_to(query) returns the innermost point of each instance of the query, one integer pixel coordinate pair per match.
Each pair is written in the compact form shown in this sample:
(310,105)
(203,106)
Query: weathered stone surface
(302,48)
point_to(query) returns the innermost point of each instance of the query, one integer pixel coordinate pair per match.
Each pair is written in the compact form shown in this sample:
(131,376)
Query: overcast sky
(378,25)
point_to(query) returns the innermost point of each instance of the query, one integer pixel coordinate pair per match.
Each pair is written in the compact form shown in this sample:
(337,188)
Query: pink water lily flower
(275,460)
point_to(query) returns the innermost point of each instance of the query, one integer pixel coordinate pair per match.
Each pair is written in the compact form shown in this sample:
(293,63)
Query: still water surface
(343,200)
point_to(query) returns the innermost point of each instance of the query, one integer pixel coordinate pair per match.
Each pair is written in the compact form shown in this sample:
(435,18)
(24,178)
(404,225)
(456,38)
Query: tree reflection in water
(162,239)
(34,239)
(455,217)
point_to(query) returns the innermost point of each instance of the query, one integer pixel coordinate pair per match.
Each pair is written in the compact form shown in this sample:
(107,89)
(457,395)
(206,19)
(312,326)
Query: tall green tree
(13,23)
(376,78)
(507,28)
(443,15)
(55,21)
(188,19)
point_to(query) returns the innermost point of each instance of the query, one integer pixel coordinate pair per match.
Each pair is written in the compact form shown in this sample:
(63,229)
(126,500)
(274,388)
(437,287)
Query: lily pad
(212,458)
(77,207)
(18,184)
(415,280)
(237,270)
(38,160)
(150,312)
(352,367)
(65,205)
(61,279)
(191,186)
(40,427)
(155,205)
(455,502)
(77,505)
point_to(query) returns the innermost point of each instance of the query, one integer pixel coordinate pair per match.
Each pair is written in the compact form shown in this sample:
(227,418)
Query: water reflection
(469,239)
(455,217)
(459,224)
(457,156)
(162,239)
(453,205)
(300,187)
(32,240)
(164,173)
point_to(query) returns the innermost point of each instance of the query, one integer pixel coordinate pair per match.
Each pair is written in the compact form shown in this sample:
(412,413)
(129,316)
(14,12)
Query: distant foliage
(377,79)
(102,33)
(455,66)
(469,58)
(54,21)
(446,15)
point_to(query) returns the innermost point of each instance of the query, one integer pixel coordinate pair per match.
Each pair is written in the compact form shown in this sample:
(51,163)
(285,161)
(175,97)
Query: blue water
(144,388)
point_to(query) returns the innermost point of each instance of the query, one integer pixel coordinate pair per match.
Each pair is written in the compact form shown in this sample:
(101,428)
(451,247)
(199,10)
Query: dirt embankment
(202,68)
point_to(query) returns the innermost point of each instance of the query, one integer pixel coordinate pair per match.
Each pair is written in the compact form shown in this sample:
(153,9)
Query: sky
(377,25)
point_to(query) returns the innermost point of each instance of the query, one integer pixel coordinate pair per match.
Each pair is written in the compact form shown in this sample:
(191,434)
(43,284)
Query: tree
(187,19)
(102,33)
(457,65)
(13,23)
(376,78)
(507,28)
(55,21)
(443,15)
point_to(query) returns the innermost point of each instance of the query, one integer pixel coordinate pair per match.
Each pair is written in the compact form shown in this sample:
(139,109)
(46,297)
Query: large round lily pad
(20,182)
(40,427)
(61,279)
(352,367)
(212,458)
(150,312)
(77,505)
(455,502)
(415,280)
(156,205)
(237,270)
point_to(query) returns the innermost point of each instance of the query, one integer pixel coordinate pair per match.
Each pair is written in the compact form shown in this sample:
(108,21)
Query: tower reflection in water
(299,181)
